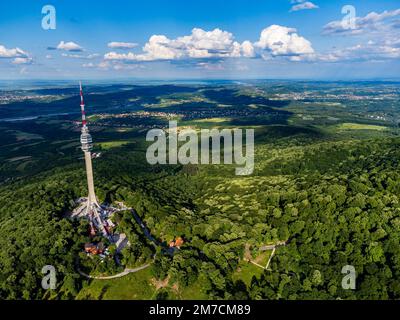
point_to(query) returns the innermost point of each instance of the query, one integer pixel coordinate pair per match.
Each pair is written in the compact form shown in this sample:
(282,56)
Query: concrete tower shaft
(89,174)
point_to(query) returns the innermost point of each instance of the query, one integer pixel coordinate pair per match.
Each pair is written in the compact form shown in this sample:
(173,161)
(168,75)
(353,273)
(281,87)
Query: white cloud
(126,67)
(121,45)
(69,46)
(89,65)
(210,66)
(380,29)
(12,53)
(22,60)
(19,56)
(209,43)
(120,56)
(283,41)
(362,52)
(159,47)
(92,56)
(115,65)
(248,49)
(218,44)
(372,22)
(199,44)
(104,65)
(210,48)
(80,56)
(303,6)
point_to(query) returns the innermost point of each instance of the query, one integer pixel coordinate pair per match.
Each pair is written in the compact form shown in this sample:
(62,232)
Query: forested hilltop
(324,194)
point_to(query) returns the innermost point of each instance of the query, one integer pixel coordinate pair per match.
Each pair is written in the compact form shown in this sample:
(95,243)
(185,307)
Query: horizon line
(204,79)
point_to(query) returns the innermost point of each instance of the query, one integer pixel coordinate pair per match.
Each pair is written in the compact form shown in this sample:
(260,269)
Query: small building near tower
(177,243)
(94,249)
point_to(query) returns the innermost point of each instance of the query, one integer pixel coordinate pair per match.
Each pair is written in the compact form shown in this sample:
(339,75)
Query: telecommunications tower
(93,209)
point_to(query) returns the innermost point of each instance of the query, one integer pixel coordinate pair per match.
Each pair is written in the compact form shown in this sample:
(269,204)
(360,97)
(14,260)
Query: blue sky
(175,39)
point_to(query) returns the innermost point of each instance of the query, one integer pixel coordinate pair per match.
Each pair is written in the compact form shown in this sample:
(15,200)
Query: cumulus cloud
(370,51)
(26,60)
(159,47)
(80,56)
(205,44)
(210,49)
(217,49)
(104,65)
(115,65)
(120,56)
(372,22)
(380,28)
(18,56)
(199,44)
(12,53)
(303,5)
(283,41)
(121,45)
(217,44)
(68,46)
(248,49)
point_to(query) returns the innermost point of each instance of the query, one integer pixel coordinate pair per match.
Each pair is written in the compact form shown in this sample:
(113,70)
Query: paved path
(119,275)
(274,246)
(270,258)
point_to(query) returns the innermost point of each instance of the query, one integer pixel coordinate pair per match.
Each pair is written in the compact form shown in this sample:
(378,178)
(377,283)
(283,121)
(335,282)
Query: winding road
(118,275)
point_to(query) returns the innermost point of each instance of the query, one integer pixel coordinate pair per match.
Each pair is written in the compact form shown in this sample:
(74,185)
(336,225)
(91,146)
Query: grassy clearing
(246,271)
(193,292)
(122,130)
(135,286)
(263,257)
(112,144)
(358,126)
(214,120)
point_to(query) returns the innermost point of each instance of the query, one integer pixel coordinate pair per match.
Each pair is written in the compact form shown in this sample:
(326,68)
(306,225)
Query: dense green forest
(336,205)
(330,193)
